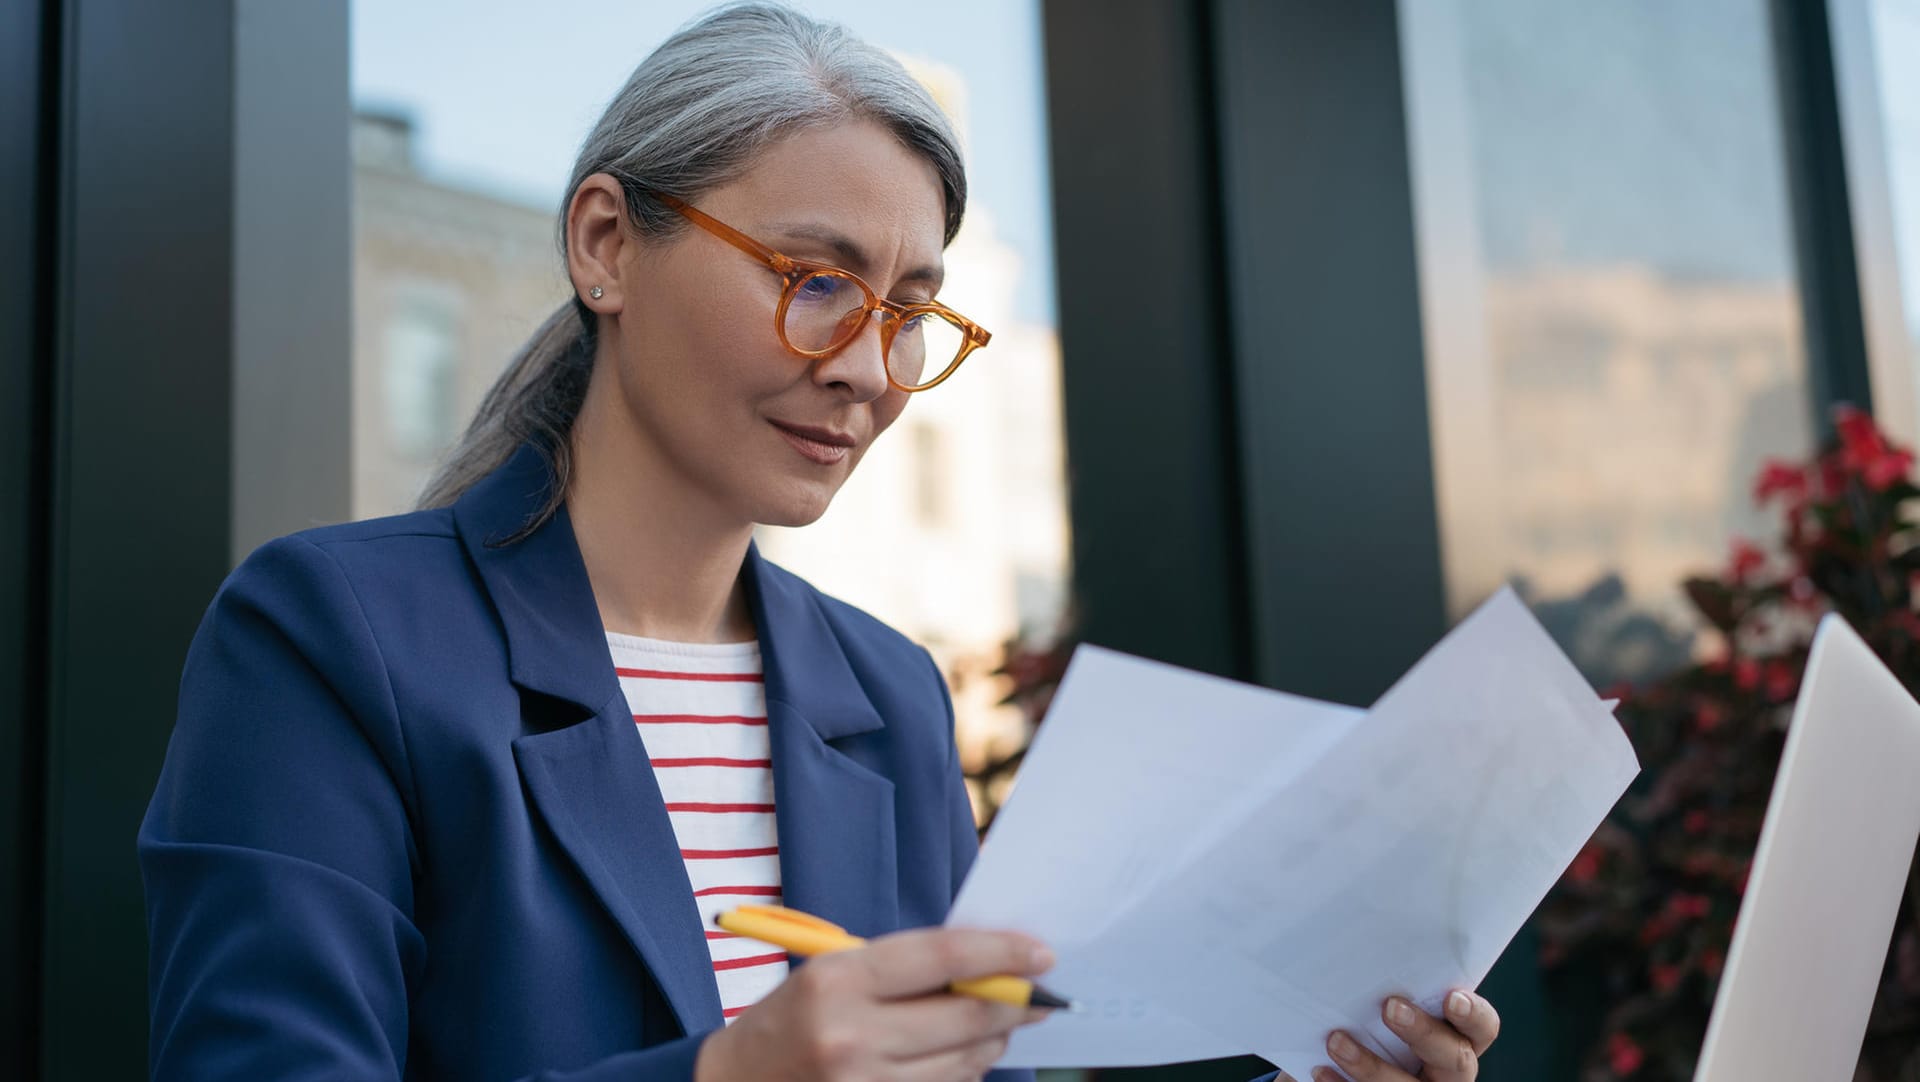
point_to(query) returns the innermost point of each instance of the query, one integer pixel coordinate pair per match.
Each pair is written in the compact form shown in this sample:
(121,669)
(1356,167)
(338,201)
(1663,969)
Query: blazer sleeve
(965,837)
(277,853)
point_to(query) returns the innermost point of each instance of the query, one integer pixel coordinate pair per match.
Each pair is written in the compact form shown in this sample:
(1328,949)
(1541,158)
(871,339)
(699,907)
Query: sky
(504,91)
(1896,26)
(1628,133)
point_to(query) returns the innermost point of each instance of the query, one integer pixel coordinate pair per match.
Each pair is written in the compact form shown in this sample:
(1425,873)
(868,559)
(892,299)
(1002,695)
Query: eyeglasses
(824,307)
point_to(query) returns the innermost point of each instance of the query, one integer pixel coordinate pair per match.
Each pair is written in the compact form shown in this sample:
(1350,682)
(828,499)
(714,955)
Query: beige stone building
(446,285)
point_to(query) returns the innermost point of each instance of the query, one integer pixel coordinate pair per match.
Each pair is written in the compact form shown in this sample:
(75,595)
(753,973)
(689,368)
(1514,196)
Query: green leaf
(1716,602)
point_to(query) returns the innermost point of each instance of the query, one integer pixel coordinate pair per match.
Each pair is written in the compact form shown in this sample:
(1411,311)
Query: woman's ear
(598,242)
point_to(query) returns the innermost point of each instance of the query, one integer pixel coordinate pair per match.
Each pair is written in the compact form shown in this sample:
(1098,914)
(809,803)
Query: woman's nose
(861,364)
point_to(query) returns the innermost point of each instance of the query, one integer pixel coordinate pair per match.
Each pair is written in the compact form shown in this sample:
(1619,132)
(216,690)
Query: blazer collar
(556,643)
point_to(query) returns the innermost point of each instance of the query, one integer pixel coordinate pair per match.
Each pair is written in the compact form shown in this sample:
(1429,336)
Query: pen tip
(1040,997)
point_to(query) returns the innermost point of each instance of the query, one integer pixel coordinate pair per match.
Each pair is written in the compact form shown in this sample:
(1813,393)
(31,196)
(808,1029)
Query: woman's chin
(795,508)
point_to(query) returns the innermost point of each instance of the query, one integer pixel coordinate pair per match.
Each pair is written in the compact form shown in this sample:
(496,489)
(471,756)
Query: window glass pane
(1896,40)
(468,118)
(1637,348)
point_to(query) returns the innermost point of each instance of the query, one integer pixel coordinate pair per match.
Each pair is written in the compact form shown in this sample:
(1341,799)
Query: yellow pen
(803,934)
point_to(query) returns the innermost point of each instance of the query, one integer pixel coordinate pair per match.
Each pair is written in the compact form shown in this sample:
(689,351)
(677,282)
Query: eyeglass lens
(828,309)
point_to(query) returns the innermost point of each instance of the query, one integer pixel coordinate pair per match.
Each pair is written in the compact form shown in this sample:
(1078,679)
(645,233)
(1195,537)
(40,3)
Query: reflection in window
(1638,349)
(1896,39)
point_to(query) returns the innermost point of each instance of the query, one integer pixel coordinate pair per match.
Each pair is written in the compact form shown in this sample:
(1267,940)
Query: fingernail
(1399,1012)
(1460,1005)
(1040,957)
(1342,1047)
(1321,1074)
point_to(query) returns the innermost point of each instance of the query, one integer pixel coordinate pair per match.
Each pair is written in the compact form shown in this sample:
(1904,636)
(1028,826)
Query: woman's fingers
(1449,1056)
(1357,1063)
(1474,1017)
(941,1023)
(961,1064)
(906,964)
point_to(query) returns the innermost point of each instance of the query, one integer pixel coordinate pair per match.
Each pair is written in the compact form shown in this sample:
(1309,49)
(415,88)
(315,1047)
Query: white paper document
(1224,869)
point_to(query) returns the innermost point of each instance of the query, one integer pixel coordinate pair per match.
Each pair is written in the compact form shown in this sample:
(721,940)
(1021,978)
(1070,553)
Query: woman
(406,826)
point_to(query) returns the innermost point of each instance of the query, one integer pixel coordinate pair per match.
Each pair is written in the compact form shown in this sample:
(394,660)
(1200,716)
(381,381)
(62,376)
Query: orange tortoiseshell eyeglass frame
(796,271)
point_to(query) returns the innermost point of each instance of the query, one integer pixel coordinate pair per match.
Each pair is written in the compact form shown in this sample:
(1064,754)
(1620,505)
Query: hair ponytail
(536,399)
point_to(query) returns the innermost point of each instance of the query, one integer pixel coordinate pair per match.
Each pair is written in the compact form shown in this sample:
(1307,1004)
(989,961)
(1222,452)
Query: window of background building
(420,353)
(1609,271)
(468,118)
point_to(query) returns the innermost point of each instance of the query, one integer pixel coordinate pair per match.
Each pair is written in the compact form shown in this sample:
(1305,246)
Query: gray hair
(694,115)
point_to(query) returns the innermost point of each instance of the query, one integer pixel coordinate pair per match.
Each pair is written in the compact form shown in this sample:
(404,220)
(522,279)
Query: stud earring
(596,293)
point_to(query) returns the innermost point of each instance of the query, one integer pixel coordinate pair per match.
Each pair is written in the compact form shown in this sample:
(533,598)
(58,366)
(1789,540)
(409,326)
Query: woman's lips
(814,445)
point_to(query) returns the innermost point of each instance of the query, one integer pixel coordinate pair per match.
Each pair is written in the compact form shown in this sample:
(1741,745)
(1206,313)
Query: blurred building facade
(447,283)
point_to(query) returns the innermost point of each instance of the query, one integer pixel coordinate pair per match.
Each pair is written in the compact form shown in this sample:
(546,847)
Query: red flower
(1586,866)
(1833,477)
(1711,961)
(1866,452)
(1708,716)
(1746,674)
(1782,680)
(1664,977)
(1689,906)
(1696,821)
(1746,559)
(1623,1055)
(1656,928)
(1887,469)
(1855,427)
(1779,478)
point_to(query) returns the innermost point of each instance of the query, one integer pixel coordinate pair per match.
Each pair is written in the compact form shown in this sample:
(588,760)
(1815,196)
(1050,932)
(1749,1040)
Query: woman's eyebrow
(849,252)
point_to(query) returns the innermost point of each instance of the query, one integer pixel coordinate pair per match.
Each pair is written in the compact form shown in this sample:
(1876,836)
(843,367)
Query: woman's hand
(880,1012)
(1449,1049)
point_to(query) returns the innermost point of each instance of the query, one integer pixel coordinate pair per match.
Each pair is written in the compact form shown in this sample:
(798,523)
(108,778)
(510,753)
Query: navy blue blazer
(407,828)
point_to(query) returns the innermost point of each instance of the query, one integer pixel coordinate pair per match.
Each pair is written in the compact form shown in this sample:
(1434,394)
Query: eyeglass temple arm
(729,234)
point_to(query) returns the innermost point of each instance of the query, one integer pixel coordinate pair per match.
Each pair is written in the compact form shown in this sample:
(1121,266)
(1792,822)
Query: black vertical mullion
(1816,164)
(1327,346)
(29,72)
(1159,565)
(140,467)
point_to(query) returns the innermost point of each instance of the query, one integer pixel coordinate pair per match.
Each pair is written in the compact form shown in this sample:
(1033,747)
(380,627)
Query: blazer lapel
(589,777)
(597,793)
(834,815)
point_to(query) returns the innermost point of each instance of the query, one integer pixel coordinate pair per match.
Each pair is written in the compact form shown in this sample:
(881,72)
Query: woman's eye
(818,288)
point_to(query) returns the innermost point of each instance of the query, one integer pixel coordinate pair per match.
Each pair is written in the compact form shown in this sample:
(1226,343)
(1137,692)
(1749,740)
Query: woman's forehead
(852,182)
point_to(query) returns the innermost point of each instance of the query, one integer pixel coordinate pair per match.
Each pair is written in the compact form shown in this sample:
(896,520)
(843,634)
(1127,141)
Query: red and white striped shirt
(701,711)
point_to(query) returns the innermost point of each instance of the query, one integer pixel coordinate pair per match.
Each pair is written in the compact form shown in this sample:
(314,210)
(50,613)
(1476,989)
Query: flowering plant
(1032,669)
(1645,913)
